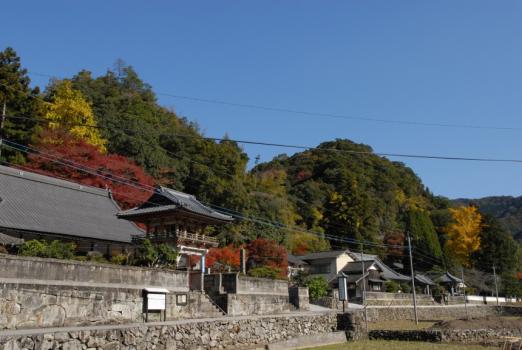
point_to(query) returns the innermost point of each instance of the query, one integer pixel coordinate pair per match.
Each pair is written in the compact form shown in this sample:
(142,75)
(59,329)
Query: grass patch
(397,345)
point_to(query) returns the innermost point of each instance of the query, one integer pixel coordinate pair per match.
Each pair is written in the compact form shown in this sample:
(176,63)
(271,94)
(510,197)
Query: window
(319,269)
(375,287)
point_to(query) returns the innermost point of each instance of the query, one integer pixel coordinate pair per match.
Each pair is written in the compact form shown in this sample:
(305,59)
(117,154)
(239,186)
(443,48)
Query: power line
(302,147)
(92,171)
(267,108)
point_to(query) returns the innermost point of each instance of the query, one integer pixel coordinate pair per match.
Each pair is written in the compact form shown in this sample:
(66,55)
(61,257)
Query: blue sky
(454,62)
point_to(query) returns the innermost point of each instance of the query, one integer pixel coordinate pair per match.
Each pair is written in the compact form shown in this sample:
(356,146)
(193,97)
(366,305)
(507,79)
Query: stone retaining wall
(39,306)
(376,314)
(224,333)
(467,336)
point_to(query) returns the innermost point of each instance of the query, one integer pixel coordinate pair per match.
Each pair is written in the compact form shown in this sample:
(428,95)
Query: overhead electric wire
(276,225)
(302,147)
(292,111)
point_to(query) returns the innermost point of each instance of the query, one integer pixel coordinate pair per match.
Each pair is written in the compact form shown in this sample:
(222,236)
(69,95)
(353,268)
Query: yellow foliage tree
(67,109)
(464,233)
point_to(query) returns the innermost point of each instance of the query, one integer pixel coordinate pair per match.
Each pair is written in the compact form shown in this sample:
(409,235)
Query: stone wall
(380,313)
(260,304)
(39,292)
(35,306)
(224,333)
(465,336)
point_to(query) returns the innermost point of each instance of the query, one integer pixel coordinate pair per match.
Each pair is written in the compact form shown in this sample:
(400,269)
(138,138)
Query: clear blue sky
(427,61)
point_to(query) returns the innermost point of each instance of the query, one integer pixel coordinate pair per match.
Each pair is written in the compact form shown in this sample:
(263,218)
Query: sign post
(343,291)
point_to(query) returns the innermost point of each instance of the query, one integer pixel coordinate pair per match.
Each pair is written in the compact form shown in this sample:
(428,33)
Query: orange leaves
(464,233)
(221,258)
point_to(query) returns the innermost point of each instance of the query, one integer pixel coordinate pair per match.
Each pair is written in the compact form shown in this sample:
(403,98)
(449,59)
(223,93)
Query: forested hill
(507,209)
(110,131)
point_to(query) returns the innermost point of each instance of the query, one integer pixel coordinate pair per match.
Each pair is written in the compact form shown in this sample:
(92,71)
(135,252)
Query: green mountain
(507,209)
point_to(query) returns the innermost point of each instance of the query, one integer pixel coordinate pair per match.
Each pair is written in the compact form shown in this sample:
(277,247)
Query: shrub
(119,259)
(43,249)
(317,287)
(155,256)
(392,286)
(265,272)
(96,257)
(405,287)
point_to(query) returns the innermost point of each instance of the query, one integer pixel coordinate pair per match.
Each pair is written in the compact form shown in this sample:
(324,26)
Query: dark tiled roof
(175,200)
(357,266)
(387,272)
(9,240)
(37,203)
(448,278)
(323,255)
(424,279)
(296,260)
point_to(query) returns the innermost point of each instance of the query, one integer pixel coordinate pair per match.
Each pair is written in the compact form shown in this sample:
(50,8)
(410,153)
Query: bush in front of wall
(265,272)
(44,249)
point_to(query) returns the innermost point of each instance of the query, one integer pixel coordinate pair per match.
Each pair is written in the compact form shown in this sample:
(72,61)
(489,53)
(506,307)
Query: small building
(295,265)
(453,284)
(179,220)
(34,206)
(387,273)
(327,264)
(363,276)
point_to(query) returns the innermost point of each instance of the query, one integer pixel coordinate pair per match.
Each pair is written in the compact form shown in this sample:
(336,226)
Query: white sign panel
(156,302)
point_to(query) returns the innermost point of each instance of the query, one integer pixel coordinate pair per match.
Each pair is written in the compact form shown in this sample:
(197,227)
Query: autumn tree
(301,243)
(220,259)
(100,169)
(463,233)
(267,253)
(68,110)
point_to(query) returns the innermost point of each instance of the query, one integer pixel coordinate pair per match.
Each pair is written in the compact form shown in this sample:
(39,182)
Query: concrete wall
(251,285)
(299,297)
(224,333)
(16,268)
(379,298)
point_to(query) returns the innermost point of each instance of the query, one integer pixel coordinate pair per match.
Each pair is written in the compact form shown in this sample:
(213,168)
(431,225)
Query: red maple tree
(266,252)
(220,258)
(61,155)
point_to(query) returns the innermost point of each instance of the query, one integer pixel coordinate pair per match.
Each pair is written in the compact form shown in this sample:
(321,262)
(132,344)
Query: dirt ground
(491,322)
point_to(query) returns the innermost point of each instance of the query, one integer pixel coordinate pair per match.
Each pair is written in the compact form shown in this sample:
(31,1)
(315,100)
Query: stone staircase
(206,306)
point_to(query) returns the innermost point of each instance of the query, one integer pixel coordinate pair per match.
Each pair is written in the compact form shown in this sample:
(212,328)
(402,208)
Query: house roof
(168,200)
(448,278)
(357,266)
(332,254)
(296,260)
(387,272)
(424,279)
(47,205)
(9,240)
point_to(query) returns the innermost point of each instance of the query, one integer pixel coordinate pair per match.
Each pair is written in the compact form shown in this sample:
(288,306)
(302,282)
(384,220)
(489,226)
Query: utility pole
(496,286)
(413,282)
(465,297)
(2,130)
(364,289)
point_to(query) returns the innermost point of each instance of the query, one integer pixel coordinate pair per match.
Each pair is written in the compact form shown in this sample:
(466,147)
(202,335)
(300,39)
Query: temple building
(179,220)
(34,206)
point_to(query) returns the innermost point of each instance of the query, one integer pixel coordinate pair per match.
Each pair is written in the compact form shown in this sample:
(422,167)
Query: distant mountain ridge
(507,209)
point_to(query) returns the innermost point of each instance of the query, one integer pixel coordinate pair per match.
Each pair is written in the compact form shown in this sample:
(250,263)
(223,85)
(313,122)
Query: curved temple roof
(169,200)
